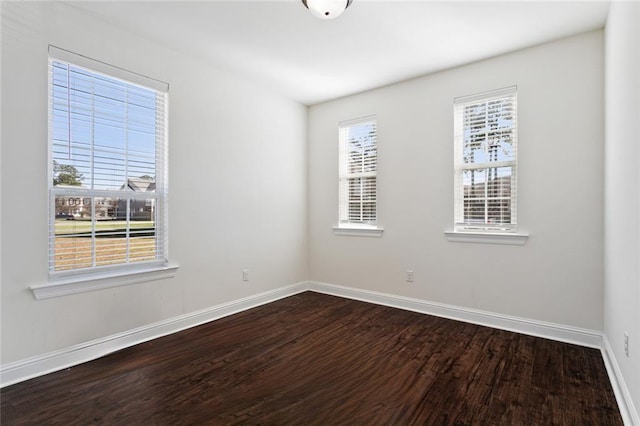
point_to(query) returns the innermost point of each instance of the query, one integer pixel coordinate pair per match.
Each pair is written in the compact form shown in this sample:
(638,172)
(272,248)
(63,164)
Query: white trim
(559,332)
(506,98)
(36,366)
(98,66)
(39,365)
(53,361)
(358,232)
(81,283)
(373,118)
(628,411)
(490,94)
(57,360)
(516,239)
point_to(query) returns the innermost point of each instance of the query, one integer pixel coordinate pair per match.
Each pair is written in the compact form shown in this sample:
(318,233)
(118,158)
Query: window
(485,138)
(107,168)
(358,158)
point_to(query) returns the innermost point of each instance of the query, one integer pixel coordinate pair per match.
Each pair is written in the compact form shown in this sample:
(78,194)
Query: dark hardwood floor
(318,359)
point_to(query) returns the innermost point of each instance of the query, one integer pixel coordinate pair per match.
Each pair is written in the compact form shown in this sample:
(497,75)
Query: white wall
(622,191)
(558,275)
(237,185)
(239,188)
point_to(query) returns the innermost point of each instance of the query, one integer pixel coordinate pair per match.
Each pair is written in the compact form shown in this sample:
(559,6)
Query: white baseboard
(64,358)
(57,360)
(563,333)
(627,409)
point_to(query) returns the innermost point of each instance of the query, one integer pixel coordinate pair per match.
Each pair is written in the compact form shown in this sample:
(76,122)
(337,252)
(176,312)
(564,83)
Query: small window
(107,167)
(358,173)
(485,138)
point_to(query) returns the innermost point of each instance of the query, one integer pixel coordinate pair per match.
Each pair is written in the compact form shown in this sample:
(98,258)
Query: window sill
(79,284)
(358,231)
(516,239)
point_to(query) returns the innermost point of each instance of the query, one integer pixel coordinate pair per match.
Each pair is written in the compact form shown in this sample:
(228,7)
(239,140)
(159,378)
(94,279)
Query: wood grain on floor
(313,359)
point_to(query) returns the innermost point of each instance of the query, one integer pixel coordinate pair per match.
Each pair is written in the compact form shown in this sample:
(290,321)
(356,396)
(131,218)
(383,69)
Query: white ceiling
(374,43)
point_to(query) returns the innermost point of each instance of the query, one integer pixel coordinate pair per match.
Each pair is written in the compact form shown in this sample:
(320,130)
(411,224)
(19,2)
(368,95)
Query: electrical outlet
(409,275)
(245,275)
(626,344)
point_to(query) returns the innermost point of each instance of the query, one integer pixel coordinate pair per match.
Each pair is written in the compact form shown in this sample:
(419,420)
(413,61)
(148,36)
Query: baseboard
(58,360)
(563,333)
(625,403)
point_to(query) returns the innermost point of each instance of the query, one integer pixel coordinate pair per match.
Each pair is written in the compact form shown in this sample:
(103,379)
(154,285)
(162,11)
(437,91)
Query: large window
(107,167)
(358,173)
(486,161)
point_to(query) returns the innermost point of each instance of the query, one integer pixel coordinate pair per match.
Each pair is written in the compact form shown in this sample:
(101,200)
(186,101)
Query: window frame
(510,94)
(346,226)
(80,278)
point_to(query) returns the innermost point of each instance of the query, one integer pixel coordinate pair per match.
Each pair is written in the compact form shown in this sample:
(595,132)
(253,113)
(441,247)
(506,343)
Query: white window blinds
(358,156)
(485,139)
(107,166)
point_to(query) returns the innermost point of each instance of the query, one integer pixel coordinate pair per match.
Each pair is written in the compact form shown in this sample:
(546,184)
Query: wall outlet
(626,344)
(409,275)
(245,275)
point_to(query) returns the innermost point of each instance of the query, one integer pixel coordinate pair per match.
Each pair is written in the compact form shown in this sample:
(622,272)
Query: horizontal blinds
(486,160)
(358,171)
(108,178)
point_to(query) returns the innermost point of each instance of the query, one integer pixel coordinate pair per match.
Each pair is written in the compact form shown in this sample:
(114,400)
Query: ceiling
(374,43)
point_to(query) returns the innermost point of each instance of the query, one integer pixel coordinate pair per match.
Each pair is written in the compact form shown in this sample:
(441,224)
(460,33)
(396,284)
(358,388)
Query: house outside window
(107,168)
(485,161)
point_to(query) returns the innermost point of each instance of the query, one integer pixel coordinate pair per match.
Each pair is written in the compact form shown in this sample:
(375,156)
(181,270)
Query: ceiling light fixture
(327,9)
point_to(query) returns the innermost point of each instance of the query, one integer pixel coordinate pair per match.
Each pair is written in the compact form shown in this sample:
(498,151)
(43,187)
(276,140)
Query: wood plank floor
(313,359)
